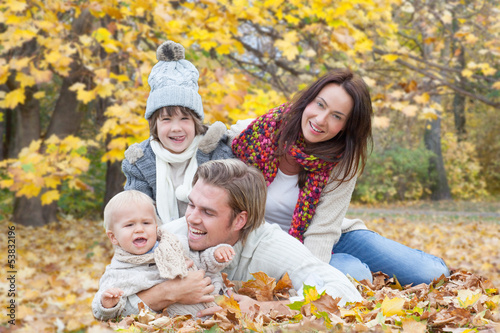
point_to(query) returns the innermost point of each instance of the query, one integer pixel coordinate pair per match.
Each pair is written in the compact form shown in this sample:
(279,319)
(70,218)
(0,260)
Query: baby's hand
(111,297)
(224,254)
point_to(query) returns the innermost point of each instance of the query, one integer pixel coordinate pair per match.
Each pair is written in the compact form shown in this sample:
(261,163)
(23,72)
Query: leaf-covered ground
(58,268)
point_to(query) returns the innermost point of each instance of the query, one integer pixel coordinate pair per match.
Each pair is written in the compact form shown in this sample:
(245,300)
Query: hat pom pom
(170,51)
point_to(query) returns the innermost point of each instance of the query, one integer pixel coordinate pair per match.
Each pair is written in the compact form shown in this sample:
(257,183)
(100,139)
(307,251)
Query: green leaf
(28,167)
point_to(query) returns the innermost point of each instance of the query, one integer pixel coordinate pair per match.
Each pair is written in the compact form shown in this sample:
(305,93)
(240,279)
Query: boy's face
(133,228)
(175,132)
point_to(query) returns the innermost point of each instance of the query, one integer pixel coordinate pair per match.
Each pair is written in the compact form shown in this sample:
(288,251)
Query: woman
(313,149)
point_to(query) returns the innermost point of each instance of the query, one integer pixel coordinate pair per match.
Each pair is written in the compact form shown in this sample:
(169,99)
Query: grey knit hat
(173,81)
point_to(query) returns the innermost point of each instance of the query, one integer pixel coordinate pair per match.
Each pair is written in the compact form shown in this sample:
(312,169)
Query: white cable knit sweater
(133,277)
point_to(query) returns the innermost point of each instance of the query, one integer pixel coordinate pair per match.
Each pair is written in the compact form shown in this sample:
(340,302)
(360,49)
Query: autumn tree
(449,48)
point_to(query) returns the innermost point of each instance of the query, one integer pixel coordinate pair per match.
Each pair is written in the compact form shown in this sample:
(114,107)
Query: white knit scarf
(166,195)
(168,256)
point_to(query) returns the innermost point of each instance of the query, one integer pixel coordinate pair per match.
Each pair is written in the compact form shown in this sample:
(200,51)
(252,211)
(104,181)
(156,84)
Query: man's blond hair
(245,185)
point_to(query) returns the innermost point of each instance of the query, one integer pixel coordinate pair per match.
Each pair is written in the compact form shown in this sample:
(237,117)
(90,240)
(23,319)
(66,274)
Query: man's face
(209,218)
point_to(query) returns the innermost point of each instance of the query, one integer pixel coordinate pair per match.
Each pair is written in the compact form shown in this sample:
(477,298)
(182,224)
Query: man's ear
(240,221)
(112,237)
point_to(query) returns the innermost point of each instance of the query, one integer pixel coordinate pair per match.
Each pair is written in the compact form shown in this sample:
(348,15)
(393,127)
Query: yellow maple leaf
(290,51)
(85,96)
(422,99)
(13,98)
(467,73)
(471,39)
(487,69)
(50,196)
(28,190)
(53,57)
(410,325)
(446,17)
(496,85)
(25,80)
(19,64)
(52,181)
(16,6)
(228,303)
(104,90)
(102,35)
(40,76)
(119,78)
(39,95)
(428,114)
(467,298)
(343,36)
(7,183)
(4,73)
(310,294)
(25,35)
(392,306)
(390,57)
(410,110)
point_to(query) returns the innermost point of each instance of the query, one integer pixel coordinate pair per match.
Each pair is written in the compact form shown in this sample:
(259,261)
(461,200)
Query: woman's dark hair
(350,146)
(170,111)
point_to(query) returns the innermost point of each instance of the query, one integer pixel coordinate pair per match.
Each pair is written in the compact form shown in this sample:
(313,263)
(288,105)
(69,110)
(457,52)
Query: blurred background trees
(73,88)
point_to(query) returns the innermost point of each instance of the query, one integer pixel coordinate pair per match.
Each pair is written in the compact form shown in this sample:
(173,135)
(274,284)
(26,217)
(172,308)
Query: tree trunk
(115,179)
(3,132)
(459,113)
(432,138)
(432,135)
(458,99)
(27,211)
(65,120)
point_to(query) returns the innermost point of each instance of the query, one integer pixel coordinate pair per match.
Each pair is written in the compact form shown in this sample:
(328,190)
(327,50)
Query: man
(226,205)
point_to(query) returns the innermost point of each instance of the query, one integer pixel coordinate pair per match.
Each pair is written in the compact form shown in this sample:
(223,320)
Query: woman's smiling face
(327,114)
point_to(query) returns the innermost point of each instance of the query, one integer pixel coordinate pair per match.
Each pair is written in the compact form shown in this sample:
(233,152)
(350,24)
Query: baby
(145,256)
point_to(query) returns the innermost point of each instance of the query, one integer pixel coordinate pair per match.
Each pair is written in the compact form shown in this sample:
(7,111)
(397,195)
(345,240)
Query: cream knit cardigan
(328,222)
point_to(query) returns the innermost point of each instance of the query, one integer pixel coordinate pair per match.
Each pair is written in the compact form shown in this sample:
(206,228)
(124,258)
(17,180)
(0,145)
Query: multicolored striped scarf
(257,146)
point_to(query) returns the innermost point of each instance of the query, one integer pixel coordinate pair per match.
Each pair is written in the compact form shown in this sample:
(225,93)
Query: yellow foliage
(467,297)
(13,98)
(467,73)
(36,169)
(463,169)
(25,80)
(422,99)
(392,306)
(49,196)
(390,57)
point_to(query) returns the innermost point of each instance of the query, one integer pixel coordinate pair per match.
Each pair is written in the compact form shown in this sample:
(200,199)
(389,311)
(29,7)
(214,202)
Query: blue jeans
(360,252)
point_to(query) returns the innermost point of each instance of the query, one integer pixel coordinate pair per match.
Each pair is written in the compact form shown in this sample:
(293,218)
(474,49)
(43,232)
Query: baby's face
(133,228)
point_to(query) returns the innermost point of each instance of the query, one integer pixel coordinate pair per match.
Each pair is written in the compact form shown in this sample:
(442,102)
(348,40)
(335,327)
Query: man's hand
(224,254)
(111,297)
(194,288)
